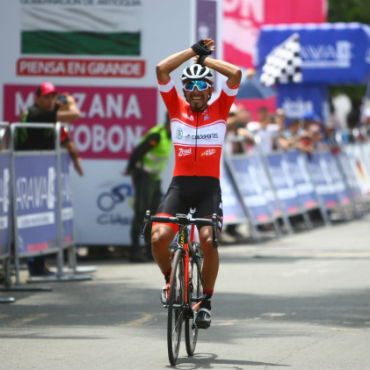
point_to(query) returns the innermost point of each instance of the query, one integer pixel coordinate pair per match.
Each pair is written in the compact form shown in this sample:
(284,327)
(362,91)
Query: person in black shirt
(48,108)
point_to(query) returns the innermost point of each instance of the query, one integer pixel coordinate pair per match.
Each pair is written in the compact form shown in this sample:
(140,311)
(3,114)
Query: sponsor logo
(36,192)
(297,107)
(107,201)
(336,55)
(179,133)
(184,152)
(213,135)
(208,152)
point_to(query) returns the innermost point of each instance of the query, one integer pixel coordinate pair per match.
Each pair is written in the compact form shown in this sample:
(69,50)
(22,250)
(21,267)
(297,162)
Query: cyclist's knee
(206,241)
(161,237)
(207,245)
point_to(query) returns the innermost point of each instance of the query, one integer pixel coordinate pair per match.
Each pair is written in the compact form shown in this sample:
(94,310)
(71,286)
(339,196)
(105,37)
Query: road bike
(185,290)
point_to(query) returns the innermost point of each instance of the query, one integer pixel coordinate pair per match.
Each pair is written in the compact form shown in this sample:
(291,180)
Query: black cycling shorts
(185,192)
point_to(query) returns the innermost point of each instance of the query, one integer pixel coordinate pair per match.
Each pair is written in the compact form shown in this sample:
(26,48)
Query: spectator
(354,118)
(146,164)
(48,108)
(264,131)
(307,142)
(281,141)
(365,126)
(239,139)
(292,134)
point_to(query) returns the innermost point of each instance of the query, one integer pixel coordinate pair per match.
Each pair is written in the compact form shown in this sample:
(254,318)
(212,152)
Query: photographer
(49,107)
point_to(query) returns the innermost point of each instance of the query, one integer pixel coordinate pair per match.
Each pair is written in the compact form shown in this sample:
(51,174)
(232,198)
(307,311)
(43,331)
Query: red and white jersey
(198,137)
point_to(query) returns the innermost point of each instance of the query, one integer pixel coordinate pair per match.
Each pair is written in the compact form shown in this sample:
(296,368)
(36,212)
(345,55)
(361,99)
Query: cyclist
(198,130)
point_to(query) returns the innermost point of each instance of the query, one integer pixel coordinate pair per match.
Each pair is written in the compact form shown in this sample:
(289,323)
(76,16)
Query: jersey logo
(184,152)
(185,115)
(179,133)
(208,152)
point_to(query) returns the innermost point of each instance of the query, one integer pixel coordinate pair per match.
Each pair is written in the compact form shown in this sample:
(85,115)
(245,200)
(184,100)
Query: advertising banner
(297,170)
(35,209)
(232,207)
(67,204)
(332,53)
(283,183)
(322,181)
(350,176)
(112,119)
(359,168)
(329,165)
(298,99)
(255,188)
(105,213)
(4,203)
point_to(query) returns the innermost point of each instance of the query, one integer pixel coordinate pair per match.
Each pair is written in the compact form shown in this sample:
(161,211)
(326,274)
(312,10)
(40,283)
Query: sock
(206,299)
(167,276)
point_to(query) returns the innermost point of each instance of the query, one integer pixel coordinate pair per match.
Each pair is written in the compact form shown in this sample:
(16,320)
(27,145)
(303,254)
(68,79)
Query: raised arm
(232,72)
(169,64)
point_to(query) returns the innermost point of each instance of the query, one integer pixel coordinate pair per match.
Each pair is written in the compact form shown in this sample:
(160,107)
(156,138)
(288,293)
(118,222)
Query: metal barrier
(280,185)
(5,218)
(42,205)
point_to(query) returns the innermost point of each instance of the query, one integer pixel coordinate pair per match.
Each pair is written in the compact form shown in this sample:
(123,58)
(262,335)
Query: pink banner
(113,119)
(242,20)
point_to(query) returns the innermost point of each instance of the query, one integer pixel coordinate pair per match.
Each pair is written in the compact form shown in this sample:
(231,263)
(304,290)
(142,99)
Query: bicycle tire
(194,294)
(176,307)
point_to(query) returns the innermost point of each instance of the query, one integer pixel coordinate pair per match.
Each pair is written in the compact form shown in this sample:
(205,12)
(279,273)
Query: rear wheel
(176,308)
(194,295)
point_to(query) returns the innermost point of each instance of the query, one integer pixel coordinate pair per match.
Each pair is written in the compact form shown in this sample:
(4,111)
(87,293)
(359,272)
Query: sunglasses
(200,85)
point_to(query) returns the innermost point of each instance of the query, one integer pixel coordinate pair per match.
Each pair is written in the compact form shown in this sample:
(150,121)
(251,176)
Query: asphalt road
(300,302)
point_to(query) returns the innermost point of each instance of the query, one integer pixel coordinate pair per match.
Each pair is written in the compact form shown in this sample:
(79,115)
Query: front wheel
(194,296)
(176,308)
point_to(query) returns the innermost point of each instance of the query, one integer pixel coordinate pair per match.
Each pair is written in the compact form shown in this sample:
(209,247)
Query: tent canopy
(332,53)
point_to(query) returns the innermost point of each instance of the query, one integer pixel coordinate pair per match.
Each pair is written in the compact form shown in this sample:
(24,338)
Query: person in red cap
(49,107)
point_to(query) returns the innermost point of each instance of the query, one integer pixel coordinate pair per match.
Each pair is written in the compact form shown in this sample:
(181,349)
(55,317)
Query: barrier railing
(42,204)
(5,208)
(281,185)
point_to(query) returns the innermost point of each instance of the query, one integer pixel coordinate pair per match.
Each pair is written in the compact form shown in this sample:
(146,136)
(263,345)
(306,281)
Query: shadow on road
(211,360)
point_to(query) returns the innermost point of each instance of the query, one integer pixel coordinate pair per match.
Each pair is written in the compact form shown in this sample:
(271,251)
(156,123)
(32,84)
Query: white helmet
(197,72)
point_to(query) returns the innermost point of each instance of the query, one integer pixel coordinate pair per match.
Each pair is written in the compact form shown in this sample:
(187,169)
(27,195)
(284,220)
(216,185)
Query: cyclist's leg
(211,259)
(209,204)
(162,236)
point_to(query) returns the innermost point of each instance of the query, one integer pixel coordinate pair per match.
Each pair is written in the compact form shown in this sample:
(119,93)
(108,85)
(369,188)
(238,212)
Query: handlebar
(182,219)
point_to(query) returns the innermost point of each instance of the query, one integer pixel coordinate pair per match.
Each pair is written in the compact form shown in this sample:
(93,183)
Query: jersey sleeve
(170,97)
(226,99)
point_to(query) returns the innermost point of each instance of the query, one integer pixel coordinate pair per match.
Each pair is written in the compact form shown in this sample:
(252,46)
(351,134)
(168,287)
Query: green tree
(349,11)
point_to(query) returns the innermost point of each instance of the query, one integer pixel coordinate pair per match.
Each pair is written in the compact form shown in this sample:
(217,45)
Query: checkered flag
(283,64)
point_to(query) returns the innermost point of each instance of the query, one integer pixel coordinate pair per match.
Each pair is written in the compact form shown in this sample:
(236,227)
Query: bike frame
(183,243)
